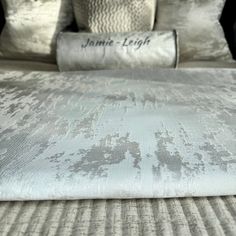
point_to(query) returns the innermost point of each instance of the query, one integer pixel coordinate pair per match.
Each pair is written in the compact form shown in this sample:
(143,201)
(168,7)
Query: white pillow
(115,15)
(201,36)
(32,26)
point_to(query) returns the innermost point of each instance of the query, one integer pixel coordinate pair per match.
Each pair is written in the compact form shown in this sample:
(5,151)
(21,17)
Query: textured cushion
(201,35)
(115,16)
(31,28)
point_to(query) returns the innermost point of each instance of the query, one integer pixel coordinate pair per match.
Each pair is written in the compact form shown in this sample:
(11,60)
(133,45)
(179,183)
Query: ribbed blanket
(189,216)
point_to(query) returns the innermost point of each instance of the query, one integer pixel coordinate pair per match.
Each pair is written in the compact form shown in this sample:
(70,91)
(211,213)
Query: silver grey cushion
(115,16)
(31,28)
(201,35)
(86,51)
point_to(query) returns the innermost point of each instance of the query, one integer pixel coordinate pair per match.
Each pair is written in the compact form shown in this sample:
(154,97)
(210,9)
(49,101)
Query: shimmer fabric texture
(86,51)
(115,15)
(197,22)
(117,134)
(31,28)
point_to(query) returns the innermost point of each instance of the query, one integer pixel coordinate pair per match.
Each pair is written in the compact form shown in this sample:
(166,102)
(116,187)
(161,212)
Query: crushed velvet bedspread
(117,134)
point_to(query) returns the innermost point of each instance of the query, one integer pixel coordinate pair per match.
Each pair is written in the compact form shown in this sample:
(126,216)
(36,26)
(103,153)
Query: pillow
(31,28)
(86,51)
(201,36)
(115,15)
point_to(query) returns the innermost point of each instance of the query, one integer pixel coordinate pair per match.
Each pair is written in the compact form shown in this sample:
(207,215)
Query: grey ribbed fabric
(115,16)
(188,216)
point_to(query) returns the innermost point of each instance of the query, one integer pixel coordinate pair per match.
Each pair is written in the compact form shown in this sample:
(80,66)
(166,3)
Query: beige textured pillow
(115,15)
(32,26)
(201,36)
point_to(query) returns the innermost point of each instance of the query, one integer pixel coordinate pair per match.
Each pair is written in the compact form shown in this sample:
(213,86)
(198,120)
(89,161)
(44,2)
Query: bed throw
(117,134)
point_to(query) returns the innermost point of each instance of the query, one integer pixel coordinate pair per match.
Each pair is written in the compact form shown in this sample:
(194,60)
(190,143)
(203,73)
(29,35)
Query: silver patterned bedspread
(117,134)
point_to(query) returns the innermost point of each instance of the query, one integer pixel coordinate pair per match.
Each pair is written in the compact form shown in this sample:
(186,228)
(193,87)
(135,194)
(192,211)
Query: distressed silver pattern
(197,22)
(117,134)
(31,28)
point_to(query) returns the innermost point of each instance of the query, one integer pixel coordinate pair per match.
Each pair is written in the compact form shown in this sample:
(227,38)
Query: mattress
(117,134)
(187,216)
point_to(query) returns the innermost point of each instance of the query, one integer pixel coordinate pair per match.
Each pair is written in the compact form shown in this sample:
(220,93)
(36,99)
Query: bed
(153,149)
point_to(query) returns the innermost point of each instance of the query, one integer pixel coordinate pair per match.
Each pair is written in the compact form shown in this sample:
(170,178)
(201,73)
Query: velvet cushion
(201,35)
(31,28)
(115,16)
(86,51)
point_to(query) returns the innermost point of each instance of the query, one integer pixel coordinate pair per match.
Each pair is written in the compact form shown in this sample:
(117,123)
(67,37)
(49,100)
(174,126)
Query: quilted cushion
(32,26)
(201,35)
(115,16)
